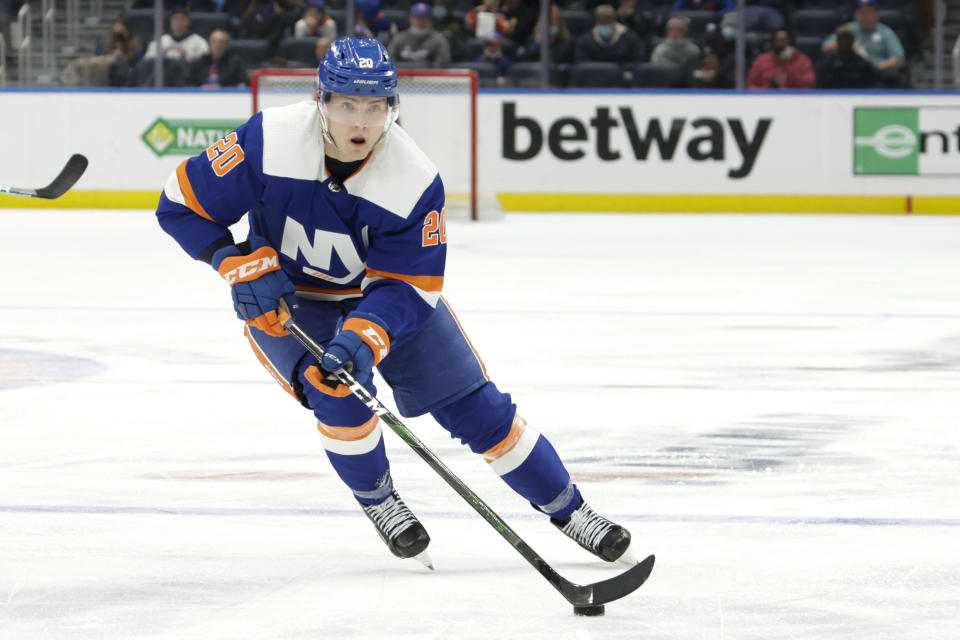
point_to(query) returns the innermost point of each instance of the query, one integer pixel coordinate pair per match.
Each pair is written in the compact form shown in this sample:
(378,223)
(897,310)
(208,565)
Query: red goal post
(438,108)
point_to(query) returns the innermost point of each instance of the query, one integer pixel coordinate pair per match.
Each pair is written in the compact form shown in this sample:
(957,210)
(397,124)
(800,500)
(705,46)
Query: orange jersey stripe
(189,197)
(476,355)
(349,434)
(262,357)
(506,445)
(427,283)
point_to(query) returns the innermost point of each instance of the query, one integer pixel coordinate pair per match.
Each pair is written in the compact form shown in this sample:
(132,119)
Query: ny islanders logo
(320,252)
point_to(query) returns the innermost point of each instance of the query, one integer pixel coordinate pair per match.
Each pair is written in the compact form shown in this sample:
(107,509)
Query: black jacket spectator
(846,69)
(608,41)
(218,68)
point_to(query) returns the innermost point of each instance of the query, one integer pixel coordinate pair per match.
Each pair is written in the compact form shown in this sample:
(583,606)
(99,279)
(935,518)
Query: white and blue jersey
(374,243)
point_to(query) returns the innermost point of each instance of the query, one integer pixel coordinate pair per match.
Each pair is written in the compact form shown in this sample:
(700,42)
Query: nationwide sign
(185,137)
(906,141)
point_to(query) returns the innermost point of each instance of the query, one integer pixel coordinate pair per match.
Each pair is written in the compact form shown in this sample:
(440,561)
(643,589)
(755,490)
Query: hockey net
(438,108)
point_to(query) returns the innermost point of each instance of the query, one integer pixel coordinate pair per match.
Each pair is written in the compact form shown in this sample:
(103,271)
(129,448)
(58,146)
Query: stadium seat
(399,17)
(526,75)
(141,23)
(204,23)
(301,49)
(650,75)
(486,72)
(251,52)
(578,21)
(698,21)
(596,75)
(811,45)
(814,22)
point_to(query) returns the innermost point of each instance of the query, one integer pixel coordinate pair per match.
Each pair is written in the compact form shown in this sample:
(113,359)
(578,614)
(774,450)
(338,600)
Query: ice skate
(601,537)
(400,529)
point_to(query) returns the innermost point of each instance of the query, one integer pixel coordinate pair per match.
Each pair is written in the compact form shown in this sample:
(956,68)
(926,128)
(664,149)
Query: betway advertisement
(715,144)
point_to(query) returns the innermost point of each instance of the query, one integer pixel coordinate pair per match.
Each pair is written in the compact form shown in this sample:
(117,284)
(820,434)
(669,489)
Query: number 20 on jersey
(435,228)
(225,154)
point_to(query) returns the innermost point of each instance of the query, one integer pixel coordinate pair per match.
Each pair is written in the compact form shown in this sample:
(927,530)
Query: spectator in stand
(371,23)
(449,27)
(218,68)
(180,43)
(561,45)
(783,67)
(879,42)
(485,19)
(718,68)
(420,43)
(315,22)
(608,41)
(677,49)
(323,45)
(718,6)
(846,68)
(522,16)
(493,54)
(113,64)
(264,20)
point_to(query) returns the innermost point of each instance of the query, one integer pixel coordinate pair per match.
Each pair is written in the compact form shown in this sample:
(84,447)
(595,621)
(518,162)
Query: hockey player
(346,219)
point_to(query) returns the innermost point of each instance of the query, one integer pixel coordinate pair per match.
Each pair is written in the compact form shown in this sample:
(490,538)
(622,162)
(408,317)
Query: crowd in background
(799,44)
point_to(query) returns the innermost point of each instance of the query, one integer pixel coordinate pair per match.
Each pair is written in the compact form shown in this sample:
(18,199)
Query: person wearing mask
(493,54)
(561,44)
(608,41)
(420,44)
(783,67)
(449,27)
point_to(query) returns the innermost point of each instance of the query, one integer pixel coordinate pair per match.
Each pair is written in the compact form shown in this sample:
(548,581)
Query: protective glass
(371,113)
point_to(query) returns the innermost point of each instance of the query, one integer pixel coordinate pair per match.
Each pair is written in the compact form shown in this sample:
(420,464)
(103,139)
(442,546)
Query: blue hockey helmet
(359,67)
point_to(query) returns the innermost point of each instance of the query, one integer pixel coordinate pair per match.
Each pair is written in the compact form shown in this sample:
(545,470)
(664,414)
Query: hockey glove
(257,285)
(361,344)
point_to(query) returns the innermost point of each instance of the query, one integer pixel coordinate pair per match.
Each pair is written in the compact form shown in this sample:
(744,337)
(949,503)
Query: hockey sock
(360,459)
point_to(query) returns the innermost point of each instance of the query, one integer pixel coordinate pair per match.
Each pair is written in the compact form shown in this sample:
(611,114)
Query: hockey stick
(587,595)
(68,177)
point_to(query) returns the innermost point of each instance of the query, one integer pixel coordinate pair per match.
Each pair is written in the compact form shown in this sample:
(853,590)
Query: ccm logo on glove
(372,334)
(251,267)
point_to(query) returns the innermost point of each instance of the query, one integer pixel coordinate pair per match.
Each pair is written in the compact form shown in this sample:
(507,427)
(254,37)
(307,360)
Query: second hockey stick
(68,177)
(597,593)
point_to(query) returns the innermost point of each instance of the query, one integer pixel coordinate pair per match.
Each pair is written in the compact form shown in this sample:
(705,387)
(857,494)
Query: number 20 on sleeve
(225,154)
(435,228)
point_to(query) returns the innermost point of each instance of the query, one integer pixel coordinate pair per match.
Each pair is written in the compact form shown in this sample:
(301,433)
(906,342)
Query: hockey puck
(590,610)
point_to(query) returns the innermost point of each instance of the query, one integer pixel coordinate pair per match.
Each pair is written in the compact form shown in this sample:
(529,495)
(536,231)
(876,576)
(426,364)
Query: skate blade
(424,558)
(628,559)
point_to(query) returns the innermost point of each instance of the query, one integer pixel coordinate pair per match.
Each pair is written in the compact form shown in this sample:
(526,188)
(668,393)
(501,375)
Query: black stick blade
(68,177)
(621,585)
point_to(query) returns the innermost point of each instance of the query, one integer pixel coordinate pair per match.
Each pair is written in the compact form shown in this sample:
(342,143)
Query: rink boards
(553,151)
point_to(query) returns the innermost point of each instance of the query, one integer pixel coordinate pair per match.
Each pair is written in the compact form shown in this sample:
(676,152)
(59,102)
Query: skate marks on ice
(25,367)
(719,456)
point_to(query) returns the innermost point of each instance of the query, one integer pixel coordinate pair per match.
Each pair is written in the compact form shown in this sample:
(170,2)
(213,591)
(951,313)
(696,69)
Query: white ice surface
(769,403)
